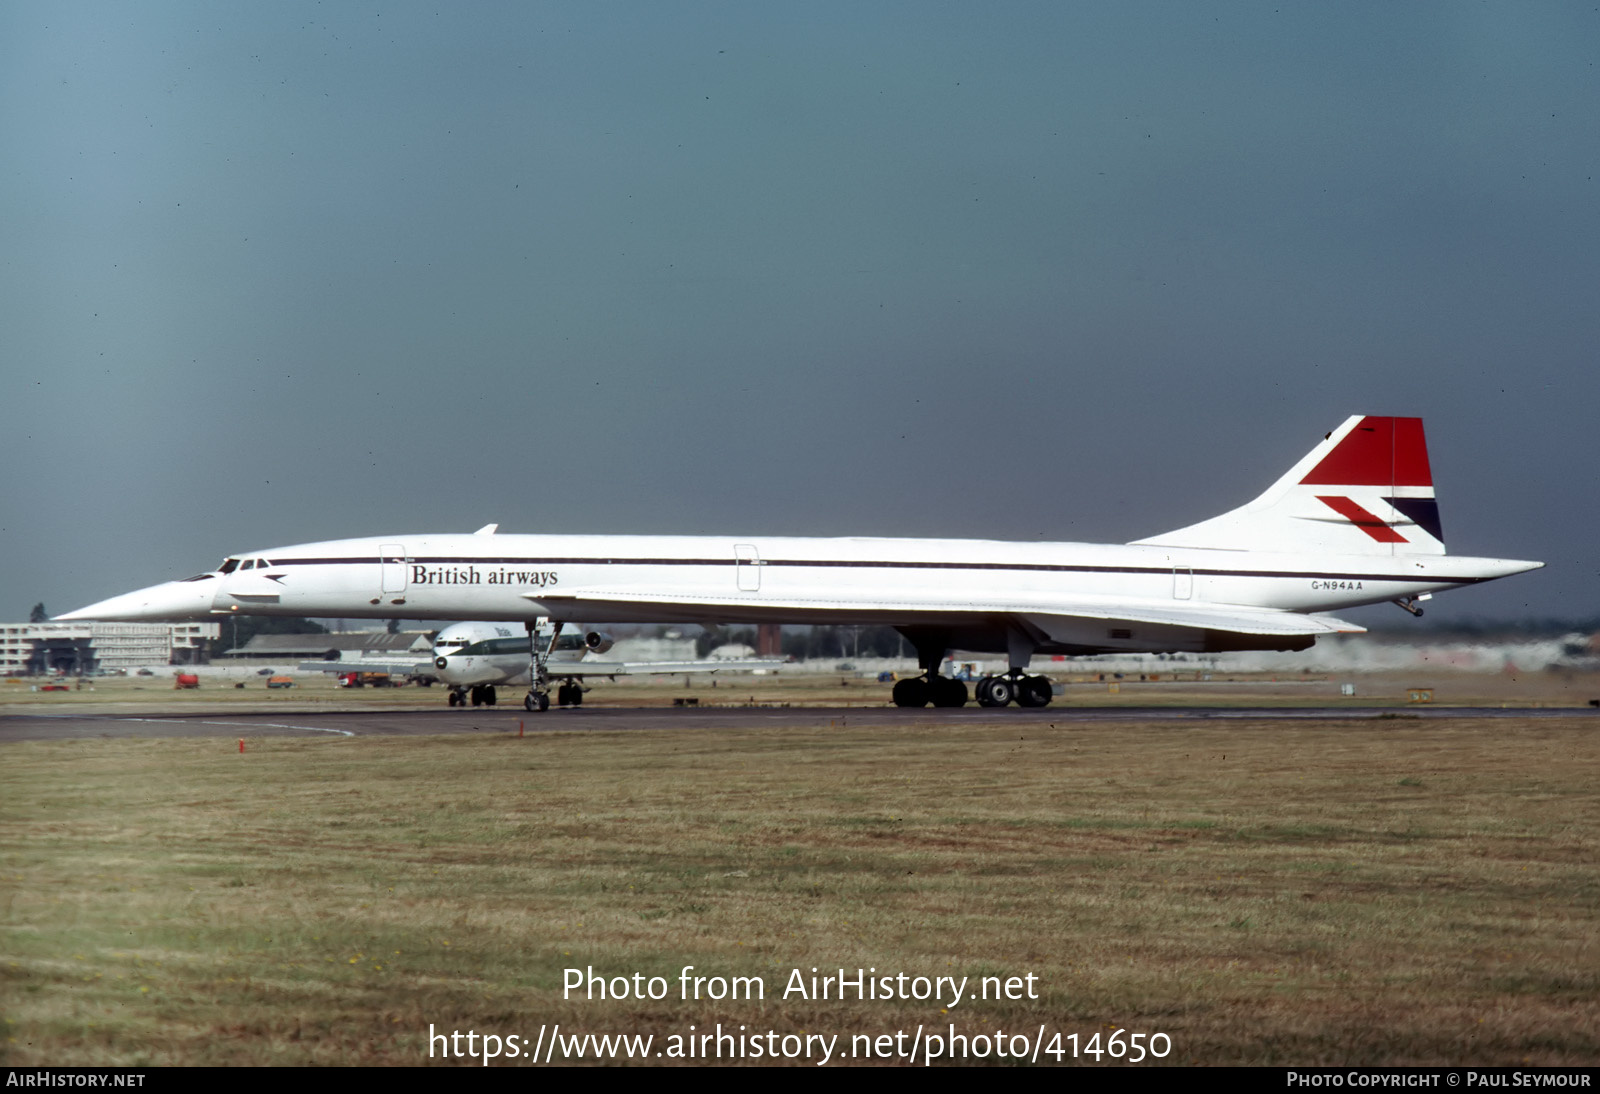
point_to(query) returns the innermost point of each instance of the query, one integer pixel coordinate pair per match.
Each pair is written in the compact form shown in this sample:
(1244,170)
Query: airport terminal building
(77,648)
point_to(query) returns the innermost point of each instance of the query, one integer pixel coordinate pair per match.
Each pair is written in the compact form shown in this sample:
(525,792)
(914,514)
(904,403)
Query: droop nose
(169,601)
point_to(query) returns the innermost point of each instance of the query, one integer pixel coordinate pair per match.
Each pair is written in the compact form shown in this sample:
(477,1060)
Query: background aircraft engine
(597,642)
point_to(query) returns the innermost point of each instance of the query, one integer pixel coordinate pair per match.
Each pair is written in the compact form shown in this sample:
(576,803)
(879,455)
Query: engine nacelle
(597,642)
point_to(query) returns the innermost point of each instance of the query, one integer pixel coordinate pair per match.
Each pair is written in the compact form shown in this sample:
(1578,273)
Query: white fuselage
(1069,595)
(1354,521)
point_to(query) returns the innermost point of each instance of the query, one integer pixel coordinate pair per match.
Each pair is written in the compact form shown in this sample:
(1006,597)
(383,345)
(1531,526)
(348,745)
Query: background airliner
(473,659)
(1354,522)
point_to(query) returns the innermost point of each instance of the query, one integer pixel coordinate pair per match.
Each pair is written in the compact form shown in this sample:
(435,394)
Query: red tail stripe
(1377,452)
(1370,523)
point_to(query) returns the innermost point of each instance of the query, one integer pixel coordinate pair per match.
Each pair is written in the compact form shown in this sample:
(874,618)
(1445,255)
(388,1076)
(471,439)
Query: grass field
(1340,892)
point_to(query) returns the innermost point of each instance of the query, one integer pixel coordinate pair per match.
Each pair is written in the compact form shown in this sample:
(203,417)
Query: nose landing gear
(538,697)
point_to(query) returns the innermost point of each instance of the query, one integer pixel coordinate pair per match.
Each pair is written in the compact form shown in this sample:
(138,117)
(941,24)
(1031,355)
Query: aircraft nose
(171,600)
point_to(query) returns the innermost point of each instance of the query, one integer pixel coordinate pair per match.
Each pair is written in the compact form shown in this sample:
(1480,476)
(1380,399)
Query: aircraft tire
(1000,692)
(949,693)
(488,695)
(477,696)
(912,692)
(1034,692)
(536,702)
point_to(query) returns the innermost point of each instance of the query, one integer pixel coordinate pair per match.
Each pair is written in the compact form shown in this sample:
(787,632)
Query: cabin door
(747,567)
(392,567)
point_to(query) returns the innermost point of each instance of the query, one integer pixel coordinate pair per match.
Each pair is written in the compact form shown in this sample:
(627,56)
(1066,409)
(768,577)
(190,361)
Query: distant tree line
(816,643)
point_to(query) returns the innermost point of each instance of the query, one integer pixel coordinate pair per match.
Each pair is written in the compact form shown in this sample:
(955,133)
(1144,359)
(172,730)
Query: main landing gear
(919,691)
(479,695)
(1014,686)
(992,691)
(930,687)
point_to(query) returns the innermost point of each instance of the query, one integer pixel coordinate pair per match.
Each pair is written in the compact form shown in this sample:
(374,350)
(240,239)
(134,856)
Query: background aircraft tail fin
(1365,490)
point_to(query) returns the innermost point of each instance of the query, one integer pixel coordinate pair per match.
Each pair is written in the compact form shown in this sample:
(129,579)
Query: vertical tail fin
(1365,490)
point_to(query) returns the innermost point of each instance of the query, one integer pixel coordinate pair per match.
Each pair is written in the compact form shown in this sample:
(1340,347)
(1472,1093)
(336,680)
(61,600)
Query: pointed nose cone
(170,601)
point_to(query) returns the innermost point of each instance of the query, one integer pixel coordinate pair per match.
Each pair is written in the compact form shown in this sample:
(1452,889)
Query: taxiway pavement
(421,723)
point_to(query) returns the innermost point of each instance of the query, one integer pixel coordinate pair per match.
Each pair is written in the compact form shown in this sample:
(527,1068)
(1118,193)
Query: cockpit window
(262,564)
(228,566)
(496,645)
(249,564)
(488,646)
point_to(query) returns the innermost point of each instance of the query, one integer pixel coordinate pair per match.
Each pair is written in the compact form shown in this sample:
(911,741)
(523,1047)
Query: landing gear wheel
(477,696)
(1001,691)
(488,696)
(948,692)
(455,698)
(1034,692)
(536,702)
(912,692)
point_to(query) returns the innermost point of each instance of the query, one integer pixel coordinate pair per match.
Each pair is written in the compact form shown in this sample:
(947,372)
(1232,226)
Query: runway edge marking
(248,725)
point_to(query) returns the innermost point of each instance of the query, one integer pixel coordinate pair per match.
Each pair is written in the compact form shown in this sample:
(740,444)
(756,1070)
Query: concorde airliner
(1354,522)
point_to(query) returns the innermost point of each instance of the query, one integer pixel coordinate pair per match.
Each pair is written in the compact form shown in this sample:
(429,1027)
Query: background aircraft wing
(589,667)
(418,666)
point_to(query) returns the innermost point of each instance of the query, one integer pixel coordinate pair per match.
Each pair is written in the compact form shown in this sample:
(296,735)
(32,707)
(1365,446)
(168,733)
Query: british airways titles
(471,575)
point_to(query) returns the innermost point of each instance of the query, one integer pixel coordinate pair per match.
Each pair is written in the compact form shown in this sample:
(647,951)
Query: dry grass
(1325,893)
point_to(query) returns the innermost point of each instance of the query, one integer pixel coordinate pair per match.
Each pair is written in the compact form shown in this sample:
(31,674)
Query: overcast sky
(272,273)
